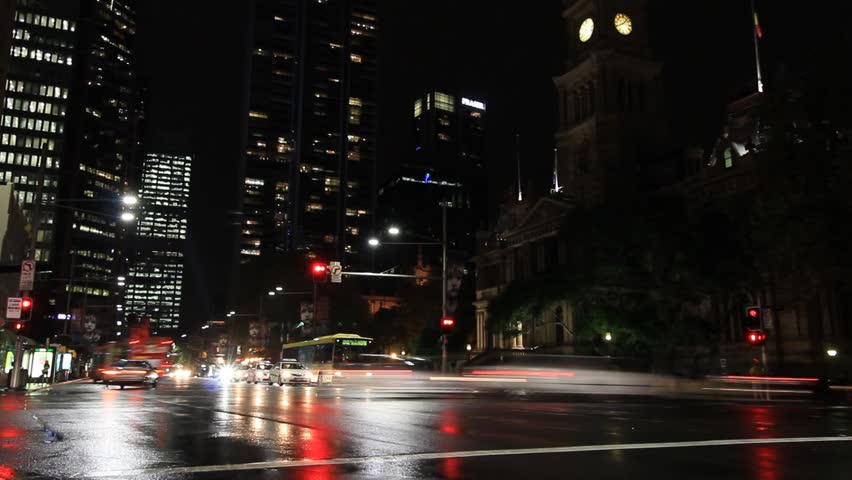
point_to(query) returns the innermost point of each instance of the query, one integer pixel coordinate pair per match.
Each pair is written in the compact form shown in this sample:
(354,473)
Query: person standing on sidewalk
(45,371)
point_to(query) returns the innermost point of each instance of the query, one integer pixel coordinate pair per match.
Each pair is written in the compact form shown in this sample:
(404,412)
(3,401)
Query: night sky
(193,55)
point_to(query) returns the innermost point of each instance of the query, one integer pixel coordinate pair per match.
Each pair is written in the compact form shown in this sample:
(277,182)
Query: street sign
(27,275)
(13,308)
(336,270)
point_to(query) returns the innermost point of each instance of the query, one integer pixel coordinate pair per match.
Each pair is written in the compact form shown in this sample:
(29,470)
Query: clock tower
(610,99)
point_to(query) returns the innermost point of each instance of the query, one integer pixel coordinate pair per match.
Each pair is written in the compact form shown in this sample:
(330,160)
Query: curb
(48,387)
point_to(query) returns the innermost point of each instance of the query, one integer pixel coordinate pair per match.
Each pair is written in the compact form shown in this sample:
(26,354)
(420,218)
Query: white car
(259,373)
(290,372)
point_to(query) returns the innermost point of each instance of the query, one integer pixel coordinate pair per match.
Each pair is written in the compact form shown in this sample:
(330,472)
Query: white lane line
(460,454)
(474,379)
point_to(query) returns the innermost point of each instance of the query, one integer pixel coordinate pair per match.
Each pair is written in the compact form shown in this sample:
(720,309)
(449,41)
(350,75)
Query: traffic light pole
(443,282)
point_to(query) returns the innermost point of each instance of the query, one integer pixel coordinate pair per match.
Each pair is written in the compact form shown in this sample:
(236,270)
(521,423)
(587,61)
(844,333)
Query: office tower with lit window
(310,157)
(67,136)
(7,15)
(35,109)
(155,276)
(449,131)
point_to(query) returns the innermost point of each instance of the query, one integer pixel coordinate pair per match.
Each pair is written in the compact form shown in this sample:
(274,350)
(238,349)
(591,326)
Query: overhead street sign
(336,271)
(28,268)
(13,308)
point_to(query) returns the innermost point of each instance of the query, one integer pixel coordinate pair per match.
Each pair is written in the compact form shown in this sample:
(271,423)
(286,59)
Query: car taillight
(110,372)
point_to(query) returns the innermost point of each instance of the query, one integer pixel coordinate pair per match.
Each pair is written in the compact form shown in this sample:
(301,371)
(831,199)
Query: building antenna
(556,187)
(757,33)
(518,157)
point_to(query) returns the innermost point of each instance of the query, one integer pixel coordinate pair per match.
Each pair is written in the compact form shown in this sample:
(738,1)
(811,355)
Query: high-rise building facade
(67,136)
(310,157)
(156,272)
(35,110)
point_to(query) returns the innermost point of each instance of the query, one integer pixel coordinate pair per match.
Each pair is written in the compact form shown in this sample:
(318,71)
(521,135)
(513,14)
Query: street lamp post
(393,230)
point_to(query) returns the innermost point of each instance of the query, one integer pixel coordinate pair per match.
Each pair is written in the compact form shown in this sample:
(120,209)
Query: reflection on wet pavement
(216,425)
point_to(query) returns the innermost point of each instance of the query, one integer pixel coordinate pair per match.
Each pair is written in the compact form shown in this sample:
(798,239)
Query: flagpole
(754,31)
(518,157)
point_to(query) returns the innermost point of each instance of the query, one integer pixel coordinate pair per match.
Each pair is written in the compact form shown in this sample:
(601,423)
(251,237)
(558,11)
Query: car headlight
(153,375)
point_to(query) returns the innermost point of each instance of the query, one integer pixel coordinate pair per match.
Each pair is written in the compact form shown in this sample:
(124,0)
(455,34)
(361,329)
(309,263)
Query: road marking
(472,379)
(460,454)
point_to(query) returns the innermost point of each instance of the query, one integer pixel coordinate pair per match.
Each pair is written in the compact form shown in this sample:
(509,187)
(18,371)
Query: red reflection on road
(766,462)
(315,445)
(11,439)
(7,472)
(451,468)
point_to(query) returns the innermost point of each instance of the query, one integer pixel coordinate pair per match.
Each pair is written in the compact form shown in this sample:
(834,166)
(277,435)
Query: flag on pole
(757,30)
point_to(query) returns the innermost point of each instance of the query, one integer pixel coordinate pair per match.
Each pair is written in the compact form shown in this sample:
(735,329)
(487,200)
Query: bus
(342,355)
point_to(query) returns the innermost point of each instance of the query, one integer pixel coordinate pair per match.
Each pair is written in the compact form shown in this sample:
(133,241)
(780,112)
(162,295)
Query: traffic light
(18,326)
(754,326)
(447,324)
(752,319)
(319,272)
(26,304)
(756,338)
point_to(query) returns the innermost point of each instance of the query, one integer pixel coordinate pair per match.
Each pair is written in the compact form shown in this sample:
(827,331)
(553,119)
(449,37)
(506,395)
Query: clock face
(586,29)
(623,24)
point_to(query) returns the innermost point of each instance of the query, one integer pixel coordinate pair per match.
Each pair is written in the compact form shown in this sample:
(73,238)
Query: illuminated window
(254,114)
(418,107)
(444,102)
(729,158)
(356,58)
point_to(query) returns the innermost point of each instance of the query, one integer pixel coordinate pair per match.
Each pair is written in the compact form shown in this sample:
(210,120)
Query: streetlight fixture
(121,284)
(129,200)
(608,336)
(205,327)
(393,230)
(121,279)
(373,242)
(831,352)
(232,312)
(271,293)
(279,289)
(183,336)
(127,217)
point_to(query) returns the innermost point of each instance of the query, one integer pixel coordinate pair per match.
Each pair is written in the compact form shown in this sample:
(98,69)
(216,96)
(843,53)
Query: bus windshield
(349,350)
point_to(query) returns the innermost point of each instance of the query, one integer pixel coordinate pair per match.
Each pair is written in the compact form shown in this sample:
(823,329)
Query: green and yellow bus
(342,355)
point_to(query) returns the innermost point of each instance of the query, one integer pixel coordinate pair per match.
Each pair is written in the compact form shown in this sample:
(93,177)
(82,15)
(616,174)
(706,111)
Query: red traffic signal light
(756,338)
(319,271)
(752,320)
(26,304)
(448,322)
(19,326)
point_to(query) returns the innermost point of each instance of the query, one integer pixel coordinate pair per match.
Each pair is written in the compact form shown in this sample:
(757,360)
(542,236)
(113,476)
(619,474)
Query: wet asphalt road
(201,429)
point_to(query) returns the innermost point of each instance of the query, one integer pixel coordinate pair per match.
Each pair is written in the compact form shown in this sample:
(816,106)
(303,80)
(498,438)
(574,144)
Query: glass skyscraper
(155,277)
(310,156)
